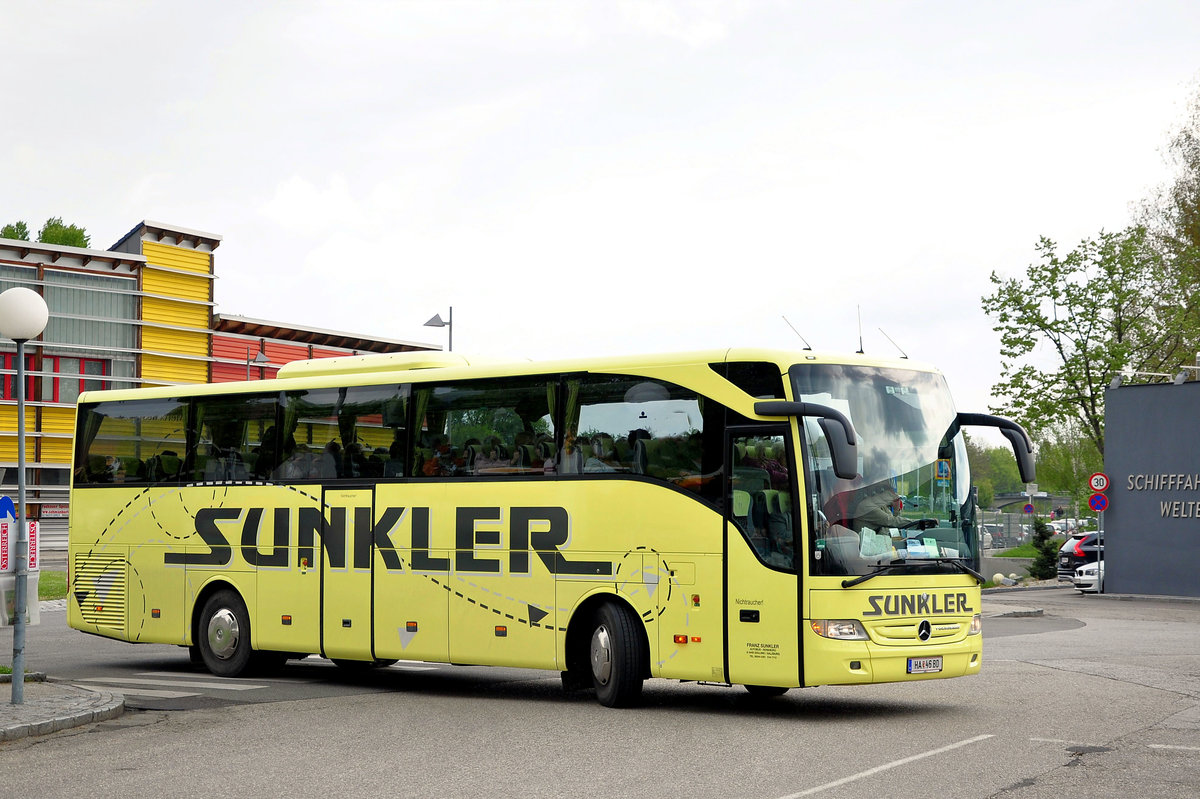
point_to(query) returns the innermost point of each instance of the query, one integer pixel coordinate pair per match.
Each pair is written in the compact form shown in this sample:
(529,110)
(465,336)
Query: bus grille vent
(100,587)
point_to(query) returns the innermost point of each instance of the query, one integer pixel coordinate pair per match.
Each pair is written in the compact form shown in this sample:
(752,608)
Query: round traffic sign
(1028,508)
(1098,502)
(1098,482)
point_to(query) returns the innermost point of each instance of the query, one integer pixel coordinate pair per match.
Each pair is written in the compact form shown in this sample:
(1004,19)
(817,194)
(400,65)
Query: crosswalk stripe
(210,679)
(149,692)
(173,683)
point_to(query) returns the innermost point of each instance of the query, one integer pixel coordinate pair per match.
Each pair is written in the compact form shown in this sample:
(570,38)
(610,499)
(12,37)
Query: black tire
(224,634)
(617,654)
(765,691)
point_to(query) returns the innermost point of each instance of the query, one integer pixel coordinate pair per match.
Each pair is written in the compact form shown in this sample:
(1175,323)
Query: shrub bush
(1045,563)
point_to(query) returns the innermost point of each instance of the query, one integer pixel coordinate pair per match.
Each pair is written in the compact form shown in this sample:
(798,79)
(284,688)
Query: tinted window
(631,425)
(136,441)
(351,433)
(757,378)
(485,427)
(236,437)
(761,503)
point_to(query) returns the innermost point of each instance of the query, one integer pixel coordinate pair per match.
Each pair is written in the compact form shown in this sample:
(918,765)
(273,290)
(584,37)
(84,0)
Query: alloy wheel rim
(601,655)
(223,633)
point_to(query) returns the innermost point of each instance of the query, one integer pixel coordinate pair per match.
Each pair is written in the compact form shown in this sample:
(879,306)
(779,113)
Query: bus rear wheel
(617,656)
(224,634)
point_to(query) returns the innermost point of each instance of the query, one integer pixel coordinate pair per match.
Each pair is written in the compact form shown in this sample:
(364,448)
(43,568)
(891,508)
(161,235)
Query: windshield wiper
(961,565)
(895,564)
(883,569)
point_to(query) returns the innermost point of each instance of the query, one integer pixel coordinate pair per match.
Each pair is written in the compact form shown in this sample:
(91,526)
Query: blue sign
(1098,502)
(1028,508)
(7,508)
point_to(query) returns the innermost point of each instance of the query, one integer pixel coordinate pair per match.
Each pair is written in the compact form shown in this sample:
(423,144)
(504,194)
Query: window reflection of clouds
(901,416)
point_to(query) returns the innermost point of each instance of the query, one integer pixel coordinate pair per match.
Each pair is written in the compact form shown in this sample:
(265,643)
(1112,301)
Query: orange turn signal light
(681,639)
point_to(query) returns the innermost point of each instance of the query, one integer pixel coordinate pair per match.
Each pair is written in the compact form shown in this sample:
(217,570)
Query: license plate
(924,665)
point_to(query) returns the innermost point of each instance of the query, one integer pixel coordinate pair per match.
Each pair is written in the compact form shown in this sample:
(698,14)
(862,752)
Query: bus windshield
(911,500)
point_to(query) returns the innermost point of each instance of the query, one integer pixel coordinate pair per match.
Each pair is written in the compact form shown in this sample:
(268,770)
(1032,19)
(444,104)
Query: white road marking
(215,681)
(148,692)
(174,683)
(1169,746)
(895,763)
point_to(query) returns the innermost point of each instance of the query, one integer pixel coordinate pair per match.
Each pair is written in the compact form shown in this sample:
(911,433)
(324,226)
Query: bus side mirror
(839,432)
(1016,435)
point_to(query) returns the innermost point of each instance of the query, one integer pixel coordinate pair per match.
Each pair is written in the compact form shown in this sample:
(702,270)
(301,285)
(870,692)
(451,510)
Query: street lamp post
(23,316)
(437,321)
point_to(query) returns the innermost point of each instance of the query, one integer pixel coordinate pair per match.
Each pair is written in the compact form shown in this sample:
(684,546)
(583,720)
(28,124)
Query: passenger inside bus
(603,457)
(224,461)
(878,508)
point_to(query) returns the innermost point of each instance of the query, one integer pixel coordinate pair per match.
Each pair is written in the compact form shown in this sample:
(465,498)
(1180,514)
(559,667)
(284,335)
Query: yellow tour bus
(742,517)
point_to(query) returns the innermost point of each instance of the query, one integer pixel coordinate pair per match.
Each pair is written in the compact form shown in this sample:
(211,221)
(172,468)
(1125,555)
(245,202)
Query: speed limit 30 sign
(1098,482)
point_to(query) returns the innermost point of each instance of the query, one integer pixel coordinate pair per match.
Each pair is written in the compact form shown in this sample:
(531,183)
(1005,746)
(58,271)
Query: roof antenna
(903,354)
(860,346)
(807,346)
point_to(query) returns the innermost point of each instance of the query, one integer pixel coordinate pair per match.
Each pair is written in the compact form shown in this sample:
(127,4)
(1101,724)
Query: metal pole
(450,324)
(247,363)
(18,664)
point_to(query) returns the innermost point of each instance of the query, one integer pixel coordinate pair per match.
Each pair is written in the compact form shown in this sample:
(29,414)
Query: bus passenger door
(763,588)
(346,574)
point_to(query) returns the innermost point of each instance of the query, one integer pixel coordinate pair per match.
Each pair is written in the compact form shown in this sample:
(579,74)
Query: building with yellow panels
(141,313)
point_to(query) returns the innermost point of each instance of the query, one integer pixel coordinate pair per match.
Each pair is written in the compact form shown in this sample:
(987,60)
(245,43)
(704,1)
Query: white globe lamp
(23,316)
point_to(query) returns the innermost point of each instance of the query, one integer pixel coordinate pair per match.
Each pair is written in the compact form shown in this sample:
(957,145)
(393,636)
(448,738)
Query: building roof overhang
(281,331)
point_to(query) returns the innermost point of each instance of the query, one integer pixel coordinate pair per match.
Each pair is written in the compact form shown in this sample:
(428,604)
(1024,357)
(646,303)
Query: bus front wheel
(224,637)
(617,656)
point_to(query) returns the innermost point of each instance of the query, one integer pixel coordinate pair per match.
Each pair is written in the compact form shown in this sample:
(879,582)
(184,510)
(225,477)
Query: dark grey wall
(1152,457)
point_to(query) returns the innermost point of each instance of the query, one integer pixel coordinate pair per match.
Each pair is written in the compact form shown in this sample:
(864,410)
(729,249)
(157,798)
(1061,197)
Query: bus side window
(486,428)
(358,432)
(651,428)
(129,441)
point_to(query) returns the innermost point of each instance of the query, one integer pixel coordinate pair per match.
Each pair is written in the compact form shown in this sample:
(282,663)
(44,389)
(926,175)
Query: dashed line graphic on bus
(649,579)
(630,572)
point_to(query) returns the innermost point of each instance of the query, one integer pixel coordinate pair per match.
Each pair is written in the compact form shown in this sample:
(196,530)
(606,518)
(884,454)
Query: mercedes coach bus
(744,517)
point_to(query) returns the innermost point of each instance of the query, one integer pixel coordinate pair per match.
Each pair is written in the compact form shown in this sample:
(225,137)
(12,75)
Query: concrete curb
(30,676)
(51,707)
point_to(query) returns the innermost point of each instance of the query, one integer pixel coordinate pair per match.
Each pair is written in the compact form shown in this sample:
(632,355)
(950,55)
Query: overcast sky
(580,178)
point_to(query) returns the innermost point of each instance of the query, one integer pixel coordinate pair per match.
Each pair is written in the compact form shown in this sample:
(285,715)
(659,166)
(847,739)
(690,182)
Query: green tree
(993,471)
(1065,460)
(1114,303)
(1045,563)
(16,230)
(56,232)
(1173,212)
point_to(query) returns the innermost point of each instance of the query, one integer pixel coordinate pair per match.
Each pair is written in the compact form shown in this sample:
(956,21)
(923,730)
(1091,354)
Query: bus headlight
(844,629)
(976,625)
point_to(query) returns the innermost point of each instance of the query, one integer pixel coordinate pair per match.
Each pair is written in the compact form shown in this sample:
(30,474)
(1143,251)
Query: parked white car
(1085,577)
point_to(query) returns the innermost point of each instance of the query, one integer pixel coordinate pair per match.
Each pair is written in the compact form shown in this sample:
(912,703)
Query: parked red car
(1076,551)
